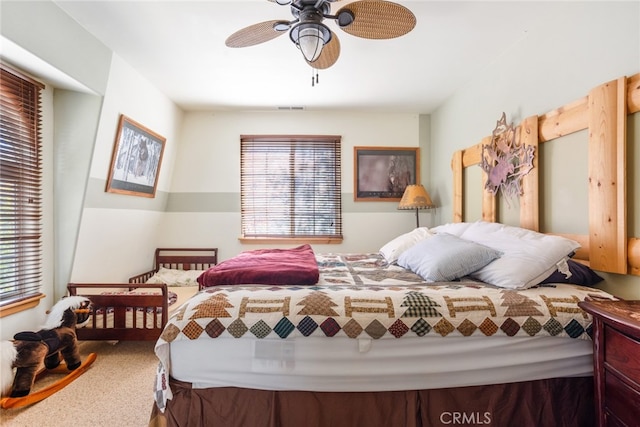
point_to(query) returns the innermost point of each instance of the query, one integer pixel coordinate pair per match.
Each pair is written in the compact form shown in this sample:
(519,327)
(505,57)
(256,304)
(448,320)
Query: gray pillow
(445,257)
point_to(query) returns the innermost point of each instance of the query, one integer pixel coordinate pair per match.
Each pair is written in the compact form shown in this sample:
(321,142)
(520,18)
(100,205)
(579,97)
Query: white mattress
(344,364)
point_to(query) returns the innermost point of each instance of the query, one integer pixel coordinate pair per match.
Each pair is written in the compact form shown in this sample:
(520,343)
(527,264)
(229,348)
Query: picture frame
(136,160)
(382,173)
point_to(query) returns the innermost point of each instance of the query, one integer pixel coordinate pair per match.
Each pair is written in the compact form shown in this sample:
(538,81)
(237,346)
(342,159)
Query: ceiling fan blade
(255,34)
(329,54)
(378,19)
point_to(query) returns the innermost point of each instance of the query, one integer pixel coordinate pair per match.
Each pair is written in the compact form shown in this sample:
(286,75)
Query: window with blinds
(290,187)
(20,187)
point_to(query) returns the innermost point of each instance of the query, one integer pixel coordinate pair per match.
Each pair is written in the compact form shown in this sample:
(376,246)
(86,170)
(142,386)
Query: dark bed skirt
(552,402)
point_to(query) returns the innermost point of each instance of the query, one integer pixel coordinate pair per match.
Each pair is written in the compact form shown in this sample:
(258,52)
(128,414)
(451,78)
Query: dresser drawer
(610,420)
(621,400)
(622,353)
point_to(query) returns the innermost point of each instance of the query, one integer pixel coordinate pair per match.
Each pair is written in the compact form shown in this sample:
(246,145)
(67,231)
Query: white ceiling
(179,47)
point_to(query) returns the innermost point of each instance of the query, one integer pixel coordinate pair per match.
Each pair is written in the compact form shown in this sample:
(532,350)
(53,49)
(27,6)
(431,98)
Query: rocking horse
(22,358)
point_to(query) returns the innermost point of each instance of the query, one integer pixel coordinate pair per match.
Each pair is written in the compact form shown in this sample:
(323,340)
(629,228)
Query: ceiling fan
(369,19)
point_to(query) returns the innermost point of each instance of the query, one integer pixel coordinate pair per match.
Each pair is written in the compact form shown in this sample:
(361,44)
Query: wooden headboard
(179,259)
(603,112)
(186,258)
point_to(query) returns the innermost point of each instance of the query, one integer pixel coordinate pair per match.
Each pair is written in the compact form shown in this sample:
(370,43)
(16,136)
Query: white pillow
(445,257)
(528,257)
(392,250)
(455,228)
(176,277)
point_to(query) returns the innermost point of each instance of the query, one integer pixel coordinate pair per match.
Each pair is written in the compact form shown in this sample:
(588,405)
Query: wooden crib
(137,310)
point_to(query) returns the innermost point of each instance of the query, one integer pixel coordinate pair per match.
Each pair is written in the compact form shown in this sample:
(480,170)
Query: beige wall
(204,206)
(119,233)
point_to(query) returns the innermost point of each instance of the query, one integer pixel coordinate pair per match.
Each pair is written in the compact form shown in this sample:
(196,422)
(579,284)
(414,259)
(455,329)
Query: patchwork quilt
(361,296)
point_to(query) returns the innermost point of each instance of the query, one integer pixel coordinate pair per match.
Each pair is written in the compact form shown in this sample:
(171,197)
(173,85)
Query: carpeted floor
(117,390)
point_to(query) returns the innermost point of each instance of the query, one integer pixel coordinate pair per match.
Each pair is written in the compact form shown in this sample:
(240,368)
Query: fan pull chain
(315,80)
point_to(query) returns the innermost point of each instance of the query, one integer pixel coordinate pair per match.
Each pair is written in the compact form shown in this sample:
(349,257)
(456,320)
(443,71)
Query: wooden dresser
(616,358)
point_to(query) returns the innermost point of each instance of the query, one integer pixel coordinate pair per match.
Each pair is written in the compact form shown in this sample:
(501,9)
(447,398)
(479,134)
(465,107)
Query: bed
(373,343)
(139,309)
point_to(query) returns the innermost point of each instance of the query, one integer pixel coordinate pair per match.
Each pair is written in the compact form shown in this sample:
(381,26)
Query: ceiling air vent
(293,108)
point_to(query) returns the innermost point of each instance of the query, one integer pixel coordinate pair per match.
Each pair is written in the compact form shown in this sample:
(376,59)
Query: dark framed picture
(382,173)
(136,160)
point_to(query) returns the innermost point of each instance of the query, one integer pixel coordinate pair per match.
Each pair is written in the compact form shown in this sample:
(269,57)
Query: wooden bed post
(529,200)
(633,254)
(607,173)
(456,165)
(489,200)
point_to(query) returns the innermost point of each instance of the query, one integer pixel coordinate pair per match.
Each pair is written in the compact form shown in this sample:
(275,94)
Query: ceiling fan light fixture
(320,47)
(310,37)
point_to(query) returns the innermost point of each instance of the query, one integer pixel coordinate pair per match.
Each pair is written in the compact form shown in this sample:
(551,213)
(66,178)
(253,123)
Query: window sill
(21,305)
(316,240)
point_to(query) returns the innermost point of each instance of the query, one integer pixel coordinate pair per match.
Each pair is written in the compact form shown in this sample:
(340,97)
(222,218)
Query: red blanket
(295,266)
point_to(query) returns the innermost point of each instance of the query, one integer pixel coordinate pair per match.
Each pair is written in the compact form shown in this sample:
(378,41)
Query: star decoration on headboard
(505,161)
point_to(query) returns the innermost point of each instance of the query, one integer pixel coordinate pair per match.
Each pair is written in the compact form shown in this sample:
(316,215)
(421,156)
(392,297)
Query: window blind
(20,186)
(290,186)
